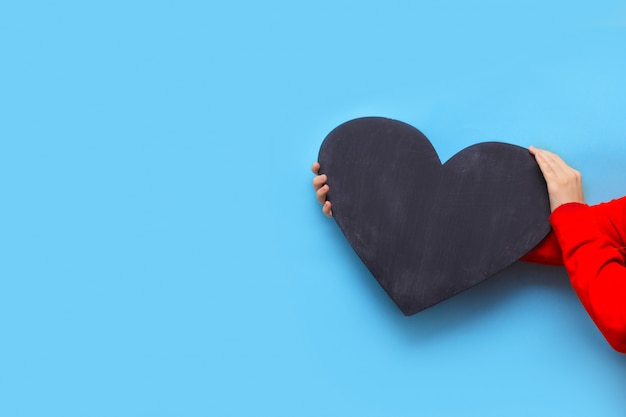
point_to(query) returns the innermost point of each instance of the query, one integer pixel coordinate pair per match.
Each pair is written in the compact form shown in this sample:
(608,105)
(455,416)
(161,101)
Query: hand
(564,182)
(321,189)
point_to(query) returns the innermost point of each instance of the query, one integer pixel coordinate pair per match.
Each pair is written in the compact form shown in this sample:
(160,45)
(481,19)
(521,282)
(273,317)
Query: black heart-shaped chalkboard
(428,231)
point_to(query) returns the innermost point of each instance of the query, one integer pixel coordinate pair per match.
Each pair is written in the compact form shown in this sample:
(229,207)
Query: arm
(596,268)
(564,186)
(591,240)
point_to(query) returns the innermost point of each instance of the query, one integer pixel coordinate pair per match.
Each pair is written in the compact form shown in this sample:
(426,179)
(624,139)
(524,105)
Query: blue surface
(161,250)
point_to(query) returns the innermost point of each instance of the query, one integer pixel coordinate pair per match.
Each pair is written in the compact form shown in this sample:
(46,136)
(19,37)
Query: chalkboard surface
(428,231)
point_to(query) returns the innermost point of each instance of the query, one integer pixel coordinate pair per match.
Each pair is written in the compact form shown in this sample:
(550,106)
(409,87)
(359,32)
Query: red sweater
(590,242)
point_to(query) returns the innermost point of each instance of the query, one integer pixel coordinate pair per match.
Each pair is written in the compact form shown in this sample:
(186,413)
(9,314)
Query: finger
(327,209)
(534,150)
(319,181)
(547,154)
(321,194)
(316,167)
(558,165)
(545,164)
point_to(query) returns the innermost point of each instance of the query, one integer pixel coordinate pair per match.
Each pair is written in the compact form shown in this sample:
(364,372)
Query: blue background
(161,249)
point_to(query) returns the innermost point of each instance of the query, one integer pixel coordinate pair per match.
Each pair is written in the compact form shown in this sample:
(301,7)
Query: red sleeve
(548,252)
(592,243)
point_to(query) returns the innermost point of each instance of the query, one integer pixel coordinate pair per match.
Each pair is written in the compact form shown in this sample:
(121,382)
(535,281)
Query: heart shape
(428,231)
